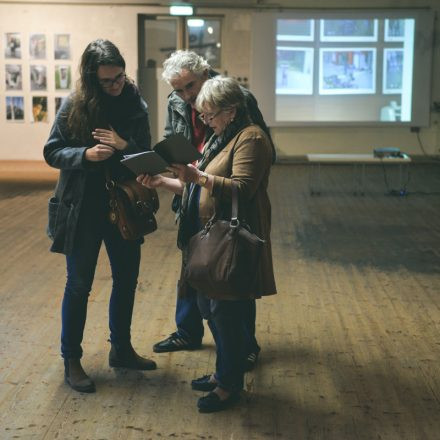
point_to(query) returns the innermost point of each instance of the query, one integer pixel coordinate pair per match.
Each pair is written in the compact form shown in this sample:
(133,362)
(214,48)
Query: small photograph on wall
(13,77)
(294,70)
(39,109)
(58,101)
(62,47)
(63,77)
(38,77)
(37,46)
(12,45)
(347,71)
(349,30)
(394,29)
(295,30)
(392,71)
(15,108)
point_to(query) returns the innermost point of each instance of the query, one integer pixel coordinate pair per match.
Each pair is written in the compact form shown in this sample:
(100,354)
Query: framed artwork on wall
(39,109)
(62,46)
(63,77)
(12,45)
(13,77)
(37,46)
(38,76)
(15,108)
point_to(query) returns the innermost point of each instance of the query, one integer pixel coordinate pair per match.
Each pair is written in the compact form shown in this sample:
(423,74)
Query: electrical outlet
(415,129)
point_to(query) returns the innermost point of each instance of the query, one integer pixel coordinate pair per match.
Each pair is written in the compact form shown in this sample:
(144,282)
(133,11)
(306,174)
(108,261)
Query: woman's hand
(110,137)
(99,152)
(150,181)
(185,173)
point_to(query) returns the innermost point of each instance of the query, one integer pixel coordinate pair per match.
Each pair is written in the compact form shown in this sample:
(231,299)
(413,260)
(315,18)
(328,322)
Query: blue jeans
(189,321)
(226,319)
(124,259)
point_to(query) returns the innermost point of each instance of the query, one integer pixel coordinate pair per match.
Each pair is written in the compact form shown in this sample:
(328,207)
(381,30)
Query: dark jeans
(189,322)
(226,319)
(124,259)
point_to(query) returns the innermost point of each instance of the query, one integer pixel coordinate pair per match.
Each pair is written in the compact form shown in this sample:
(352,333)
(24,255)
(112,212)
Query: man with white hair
(186,72)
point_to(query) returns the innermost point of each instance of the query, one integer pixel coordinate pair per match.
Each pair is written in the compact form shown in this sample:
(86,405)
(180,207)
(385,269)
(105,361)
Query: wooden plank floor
(350,346)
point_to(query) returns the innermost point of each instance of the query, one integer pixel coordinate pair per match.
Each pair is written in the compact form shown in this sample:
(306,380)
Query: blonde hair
(220,92)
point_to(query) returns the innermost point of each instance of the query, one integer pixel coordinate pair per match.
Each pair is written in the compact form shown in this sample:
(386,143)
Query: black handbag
(132,208)
(223,258)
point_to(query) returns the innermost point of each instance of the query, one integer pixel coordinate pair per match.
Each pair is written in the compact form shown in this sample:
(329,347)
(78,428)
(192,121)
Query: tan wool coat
(246,159)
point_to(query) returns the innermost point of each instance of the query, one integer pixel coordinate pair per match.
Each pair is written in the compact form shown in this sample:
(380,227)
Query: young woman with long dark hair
(102,120)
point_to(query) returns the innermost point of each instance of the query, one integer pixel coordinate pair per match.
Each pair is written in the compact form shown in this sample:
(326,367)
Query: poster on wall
(12,45)
(347,71)
(13,77)
(294,70)
(14,108)
(63,77)
(62,47)
(37,46)
(39,109)
(38,75)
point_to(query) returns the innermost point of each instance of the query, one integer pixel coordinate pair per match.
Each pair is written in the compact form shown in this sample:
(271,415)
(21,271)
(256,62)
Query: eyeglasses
(206,118)
(107,83)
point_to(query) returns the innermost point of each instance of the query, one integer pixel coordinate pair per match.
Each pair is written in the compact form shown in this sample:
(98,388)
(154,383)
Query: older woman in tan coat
(239,152)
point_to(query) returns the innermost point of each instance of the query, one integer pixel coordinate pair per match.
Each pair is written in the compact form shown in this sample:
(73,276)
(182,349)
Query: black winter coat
(68,155)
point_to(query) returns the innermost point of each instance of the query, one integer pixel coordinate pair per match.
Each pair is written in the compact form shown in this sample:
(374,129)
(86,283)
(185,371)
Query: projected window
(347,71)
(295,30)
(392,71)
(395,30)
(294,71)
(348,30)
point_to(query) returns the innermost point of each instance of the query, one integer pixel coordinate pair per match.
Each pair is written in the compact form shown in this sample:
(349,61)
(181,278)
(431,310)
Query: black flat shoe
(174,342)
(203,384)
(212,403)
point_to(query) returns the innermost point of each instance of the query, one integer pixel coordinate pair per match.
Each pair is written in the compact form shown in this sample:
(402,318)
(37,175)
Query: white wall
(119,23)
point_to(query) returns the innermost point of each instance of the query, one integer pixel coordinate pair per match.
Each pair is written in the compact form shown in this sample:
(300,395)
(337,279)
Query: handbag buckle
(234,223)
(110,184)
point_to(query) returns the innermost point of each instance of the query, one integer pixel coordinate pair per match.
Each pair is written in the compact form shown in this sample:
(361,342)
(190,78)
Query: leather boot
(76,377)
(126,357)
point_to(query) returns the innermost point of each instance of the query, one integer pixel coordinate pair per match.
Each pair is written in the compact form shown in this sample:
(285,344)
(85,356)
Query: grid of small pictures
(348,54)
(32,72)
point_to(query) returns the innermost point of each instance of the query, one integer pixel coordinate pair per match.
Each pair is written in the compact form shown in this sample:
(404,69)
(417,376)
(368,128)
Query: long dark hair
(86,112)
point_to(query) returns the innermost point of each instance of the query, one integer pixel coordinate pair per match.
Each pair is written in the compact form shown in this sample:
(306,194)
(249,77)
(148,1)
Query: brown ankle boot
(126,357)
(76,377)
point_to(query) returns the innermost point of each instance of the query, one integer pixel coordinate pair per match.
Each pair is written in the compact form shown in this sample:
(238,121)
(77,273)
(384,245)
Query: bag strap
(234,211)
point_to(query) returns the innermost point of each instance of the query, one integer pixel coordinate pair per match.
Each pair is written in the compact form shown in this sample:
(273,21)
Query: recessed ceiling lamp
(181,10)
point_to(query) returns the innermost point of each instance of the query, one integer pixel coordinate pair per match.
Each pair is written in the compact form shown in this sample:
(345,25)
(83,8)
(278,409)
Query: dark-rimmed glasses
(107,83)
